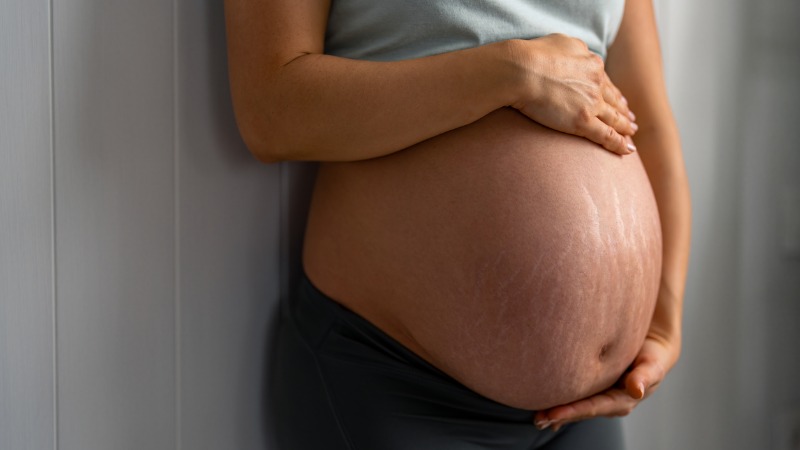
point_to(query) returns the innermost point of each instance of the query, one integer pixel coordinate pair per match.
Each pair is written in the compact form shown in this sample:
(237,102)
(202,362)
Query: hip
(343,384)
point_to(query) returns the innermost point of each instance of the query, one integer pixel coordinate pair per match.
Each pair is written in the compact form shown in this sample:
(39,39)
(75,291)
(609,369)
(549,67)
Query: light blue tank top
(391,30)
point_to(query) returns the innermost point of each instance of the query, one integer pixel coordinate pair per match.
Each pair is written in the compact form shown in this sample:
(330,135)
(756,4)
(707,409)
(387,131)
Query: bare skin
(522,261)
(448,195)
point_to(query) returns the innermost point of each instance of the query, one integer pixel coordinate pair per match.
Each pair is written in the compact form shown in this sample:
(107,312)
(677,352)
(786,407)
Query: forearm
(661,155)
(292,101)
(326,108)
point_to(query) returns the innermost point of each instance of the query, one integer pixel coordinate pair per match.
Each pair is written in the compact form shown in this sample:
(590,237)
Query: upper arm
(271,33)
(634,65)
(262,37)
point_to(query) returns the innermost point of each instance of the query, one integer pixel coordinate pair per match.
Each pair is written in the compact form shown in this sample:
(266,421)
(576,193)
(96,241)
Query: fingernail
(629,143)
(632,115)
(542,424)
(640,388)
(634,126)
(624,100)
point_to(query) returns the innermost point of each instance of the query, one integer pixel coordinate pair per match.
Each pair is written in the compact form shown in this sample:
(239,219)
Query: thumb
(635,385)
(642,378)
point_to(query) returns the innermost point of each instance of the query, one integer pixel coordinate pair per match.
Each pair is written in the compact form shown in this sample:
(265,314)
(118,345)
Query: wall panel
(229,224)
(27,398)
(770,273)
(115,224)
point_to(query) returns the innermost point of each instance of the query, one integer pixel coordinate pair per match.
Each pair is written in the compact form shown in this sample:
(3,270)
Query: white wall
(140,242)
(143,252)
(27,398)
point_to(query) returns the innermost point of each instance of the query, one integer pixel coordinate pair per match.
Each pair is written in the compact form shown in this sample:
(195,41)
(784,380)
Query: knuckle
(574,42)
(608,93)
(611,136)
(620,121)
(585,115)
(598,79)
(560,37)
(597,62)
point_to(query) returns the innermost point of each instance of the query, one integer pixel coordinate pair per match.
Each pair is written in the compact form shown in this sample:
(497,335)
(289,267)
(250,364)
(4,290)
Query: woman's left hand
(657,356)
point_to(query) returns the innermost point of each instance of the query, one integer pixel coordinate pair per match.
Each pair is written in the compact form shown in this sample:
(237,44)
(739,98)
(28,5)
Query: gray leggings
(340,383)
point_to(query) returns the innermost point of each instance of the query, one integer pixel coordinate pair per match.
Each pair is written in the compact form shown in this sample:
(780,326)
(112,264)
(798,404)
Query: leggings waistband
(315,314)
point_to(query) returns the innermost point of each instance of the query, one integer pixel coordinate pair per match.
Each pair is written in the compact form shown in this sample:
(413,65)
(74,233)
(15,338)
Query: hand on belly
(522,261)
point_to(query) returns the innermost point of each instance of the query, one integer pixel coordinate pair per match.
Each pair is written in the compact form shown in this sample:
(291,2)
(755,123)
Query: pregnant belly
(521,261)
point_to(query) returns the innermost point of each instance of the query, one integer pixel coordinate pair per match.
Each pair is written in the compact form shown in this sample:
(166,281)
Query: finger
(629,144)
(601,133)
(614,402)
(643,379)
(636,388)
(621,124)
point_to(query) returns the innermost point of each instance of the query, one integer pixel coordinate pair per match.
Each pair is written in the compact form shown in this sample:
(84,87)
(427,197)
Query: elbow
(258,137)
(268,127)
(260,147)
(259,127)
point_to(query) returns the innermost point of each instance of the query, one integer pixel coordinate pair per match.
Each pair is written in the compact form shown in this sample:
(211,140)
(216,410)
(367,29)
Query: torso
(522,261)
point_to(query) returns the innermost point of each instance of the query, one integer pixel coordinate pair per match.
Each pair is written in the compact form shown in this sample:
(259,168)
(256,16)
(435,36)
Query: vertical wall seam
(53,223)
(177,224)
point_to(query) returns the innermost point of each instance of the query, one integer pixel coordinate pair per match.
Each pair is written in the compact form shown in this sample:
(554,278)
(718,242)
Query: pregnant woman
(496,248)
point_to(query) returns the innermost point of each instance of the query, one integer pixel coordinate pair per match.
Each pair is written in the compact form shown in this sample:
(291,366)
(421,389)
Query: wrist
(513,64)
(666,325)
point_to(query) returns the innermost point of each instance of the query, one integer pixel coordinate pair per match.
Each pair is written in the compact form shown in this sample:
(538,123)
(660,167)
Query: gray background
(143,251)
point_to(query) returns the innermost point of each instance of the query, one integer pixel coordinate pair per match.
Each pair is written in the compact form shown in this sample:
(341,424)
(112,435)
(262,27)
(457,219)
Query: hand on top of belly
(565,87)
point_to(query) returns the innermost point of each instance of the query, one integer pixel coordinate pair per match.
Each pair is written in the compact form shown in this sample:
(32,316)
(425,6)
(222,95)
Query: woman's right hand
(295,102)
(564,86)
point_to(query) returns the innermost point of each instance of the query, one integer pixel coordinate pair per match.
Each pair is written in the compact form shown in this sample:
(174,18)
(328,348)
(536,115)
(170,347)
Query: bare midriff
(521,261)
